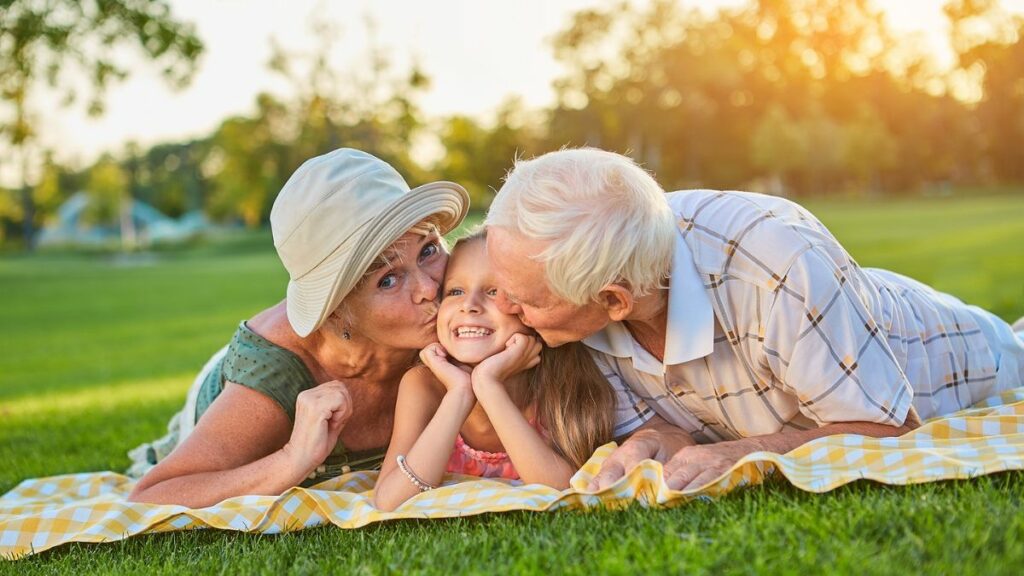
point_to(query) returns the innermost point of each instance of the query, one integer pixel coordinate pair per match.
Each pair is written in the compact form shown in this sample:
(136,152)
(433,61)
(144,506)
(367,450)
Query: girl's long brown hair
(574,401)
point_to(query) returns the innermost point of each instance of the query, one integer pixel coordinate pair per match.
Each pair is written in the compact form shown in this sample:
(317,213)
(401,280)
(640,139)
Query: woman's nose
(426,289)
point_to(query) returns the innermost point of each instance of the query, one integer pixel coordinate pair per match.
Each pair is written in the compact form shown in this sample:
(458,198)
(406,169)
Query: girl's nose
(471,303)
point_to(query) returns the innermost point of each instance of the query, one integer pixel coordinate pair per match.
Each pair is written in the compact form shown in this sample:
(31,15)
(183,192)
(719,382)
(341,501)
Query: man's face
(523,290)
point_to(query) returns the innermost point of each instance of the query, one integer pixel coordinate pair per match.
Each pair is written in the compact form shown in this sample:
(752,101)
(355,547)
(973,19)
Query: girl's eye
(429,250)
(388,281)
(453,292)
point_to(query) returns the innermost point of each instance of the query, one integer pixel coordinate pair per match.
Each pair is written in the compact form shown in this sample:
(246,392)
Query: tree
(42,40)
(779,148)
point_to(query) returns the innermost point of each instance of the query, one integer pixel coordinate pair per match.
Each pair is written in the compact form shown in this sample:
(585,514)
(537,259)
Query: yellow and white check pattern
(46,512)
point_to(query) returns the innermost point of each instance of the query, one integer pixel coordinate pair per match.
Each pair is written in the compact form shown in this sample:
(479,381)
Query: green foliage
(97,353)
(799,97)
(478,157)
(107,186)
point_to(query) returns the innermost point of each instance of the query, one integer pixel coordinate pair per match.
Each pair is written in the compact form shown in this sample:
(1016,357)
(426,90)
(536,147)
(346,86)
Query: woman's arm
(245,444)
(426,424)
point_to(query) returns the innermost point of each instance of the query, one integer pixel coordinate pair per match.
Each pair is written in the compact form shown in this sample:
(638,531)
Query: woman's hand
(521,353)
(453,377)
(320,415)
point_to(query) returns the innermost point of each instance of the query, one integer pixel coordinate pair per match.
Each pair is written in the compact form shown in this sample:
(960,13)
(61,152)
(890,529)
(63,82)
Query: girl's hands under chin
(521,353)
(451,376)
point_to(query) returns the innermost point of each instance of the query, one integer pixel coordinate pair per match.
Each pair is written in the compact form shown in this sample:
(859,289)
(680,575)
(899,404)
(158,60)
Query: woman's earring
(346,334)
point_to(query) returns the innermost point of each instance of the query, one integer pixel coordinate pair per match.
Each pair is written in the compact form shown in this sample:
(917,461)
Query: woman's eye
(493,292)
(388,281)
(429,250)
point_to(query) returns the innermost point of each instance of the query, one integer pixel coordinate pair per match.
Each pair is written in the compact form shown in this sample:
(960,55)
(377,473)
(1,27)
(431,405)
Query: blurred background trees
(790,97)
(67,44)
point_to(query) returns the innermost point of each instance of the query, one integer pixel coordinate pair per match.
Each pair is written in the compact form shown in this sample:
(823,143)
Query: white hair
(604,218)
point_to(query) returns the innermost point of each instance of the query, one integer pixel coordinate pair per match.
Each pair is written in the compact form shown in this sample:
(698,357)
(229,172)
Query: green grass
(96,353)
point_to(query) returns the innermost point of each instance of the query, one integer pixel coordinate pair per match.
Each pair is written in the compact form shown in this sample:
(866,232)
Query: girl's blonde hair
(575,403)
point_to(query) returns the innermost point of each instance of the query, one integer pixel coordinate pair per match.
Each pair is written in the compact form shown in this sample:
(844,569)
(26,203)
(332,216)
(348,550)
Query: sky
(476,53)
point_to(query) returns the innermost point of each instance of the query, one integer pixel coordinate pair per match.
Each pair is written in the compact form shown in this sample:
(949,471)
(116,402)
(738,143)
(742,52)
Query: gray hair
(604,219)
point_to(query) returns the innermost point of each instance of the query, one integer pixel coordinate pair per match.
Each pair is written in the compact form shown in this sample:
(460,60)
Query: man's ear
(617,301)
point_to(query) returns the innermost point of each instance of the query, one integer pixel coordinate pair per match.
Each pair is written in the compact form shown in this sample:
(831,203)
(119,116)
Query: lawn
(97,352)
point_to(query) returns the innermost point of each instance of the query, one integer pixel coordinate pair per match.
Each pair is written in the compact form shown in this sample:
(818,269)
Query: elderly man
(729,322)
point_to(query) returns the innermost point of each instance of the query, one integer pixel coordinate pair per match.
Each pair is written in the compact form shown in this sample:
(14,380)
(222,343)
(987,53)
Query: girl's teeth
(473,332)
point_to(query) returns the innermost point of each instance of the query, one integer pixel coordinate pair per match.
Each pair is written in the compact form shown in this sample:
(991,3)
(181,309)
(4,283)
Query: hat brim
(312,298)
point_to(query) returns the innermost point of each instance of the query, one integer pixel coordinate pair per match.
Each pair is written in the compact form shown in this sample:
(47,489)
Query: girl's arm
(426,424)
(531,454)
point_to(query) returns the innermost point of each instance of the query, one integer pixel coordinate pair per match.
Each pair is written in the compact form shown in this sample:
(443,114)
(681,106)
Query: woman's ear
(617,301)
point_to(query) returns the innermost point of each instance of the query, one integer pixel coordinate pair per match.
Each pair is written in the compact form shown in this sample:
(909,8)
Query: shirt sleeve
(631,411)
(823,345)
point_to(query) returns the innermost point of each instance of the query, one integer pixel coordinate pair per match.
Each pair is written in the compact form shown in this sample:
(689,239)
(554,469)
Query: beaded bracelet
(404,467)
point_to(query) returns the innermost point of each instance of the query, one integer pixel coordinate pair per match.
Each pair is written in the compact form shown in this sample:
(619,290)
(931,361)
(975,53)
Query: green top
(257,363)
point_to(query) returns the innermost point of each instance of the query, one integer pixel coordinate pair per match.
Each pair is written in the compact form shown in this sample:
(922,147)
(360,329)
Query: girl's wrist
(463,397)
(485,386)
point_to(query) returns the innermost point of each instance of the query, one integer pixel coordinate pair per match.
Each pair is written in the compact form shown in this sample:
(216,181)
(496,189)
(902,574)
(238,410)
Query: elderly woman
(306,389)
(735,322)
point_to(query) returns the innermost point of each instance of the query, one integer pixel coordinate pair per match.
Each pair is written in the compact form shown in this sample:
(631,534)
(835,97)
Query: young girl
(486,401)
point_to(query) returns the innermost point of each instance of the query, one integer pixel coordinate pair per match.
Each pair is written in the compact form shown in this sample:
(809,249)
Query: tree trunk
(28,206)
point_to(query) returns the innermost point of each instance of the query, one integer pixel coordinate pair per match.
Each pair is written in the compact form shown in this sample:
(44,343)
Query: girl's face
(395,305)
(469,325)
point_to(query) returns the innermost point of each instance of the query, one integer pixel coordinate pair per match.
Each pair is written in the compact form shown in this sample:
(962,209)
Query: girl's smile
(469,324)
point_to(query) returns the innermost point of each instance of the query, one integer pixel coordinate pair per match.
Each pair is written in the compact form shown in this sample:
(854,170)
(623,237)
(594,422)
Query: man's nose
(506,306)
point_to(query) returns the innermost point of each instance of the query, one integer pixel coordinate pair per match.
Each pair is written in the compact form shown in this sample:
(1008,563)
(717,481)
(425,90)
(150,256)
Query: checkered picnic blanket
(42,513)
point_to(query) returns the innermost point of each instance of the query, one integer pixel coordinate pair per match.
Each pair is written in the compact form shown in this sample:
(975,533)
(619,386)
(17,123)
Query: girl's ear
(617,300)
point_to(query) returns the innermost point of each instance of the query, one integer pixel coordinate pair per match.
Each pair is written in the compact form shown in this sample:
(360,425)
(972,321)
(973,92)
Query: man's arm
(696,465)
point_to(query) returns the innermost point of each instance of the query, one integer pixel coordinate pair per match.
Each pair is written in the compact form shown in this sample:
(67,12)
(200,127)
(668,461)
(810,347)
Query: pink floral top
(468,460)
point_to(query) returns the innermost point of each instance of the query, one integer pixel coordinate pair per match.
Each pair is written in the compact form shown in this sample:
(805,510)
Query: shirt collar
(691,321)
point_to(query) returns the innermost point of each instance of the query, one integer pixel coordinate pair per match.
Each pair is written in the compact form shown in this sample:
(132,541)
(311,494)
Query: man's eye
(493,292)
(388,281)
(429,250)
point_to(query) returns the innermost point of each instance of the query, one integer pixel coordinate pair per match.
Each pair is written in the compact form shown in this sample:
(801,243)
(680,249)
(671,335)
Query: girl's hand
(521,353)
(453,377)
(320,415)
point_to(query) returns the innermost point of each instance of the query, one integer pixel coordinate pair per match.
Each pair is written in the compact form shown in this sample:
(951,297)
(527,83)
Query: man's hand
(695,466)
(655,440)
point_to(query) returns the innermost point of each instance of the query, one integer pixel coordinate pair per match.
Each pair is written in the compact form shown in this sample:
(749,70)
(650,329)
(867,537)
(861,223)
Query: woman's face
(469,325)
(395,304)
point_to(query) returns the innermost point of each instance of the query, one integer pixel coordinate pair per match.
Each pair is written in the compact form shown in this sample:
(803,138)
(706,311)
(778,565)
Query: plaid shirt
(773,326)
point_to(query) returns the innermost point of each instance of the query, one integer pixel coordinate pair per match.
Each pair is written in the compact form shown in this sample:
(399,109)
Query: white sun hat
(336,214)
